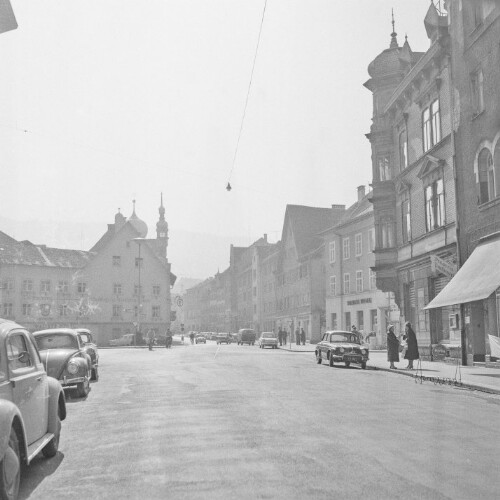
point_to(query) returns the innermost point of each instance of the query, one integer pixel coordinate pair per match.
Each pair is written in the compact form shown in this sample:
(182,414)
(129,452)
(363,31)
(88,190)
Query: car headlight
(72,367)
(363,351)
(341,350)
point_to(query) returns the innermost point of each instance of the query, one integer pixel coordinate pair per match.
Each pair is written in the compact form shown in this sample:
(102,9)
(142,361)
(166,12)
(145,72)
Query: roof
(356,211)
(6,239)
(306,224)
(66,331)
(27,254)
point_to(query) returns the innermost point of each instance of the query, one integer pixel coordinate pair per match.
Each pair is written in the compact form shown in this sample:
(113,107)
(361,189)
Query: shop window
(373,320)
(361,320)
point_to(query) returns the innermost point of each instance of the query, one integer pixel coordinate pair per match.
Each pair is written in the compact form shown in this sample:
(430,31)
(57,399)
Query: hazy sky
(103,101)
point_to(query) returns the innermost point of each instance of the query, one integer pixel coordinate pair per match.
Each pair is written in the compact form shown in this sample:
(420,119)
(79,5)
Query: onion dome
(138,224)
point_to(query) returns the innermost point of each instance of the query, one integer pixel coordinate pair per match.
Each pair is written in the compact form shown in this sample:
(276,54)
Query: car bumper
(69,381)
(351,358)
(269,344)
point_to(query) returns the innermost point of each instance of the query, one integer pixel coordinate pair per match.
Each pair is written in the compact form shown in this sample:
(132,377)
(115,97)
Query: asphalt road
(234,421)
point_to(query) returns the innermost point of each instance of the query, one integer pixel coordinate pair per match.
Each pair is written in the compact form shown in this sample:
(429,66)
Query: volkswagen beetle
(32,405)
(90,347)
(65,359)
(343,347)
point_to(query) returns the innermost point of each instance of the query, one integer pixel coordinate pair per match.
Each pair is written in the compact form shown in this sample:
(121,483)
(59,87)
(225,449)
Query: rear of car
(246,336)
(268,339)
(223,338)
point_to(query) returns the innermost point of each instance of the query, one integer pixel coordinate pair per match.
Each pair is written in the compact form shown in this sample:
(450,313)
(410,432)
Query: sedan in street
(341,347)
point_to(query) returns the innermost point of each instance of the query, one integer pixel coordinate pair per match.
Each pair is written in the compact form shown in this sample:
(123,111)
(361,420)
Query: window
(156,290)
(117,288)
(156,311)
(333,285)
(384,168)
(434,205)
(45,286)
(403,150)
(346,247)
(62,287)
(27,308)
(333,321)
(27,285)
(431,125)
(117,311)
(139,262)
(387,234)
(16,345)
(347,283)
(332,252)
(8,285)
(347,324)
(359,281)
(82,287)
(486,177)
(361,320)
(373,320)
(358,244)
(117,260)
(7,309)
(371,239)
(373,280)
(405,218)
(63,310)
(136,308)
(476,81)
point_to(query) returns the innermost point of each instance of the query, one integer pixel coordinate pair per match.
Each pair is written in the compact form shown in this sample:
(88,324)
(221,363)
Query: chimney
(361,193)
(265,237)
(337,212)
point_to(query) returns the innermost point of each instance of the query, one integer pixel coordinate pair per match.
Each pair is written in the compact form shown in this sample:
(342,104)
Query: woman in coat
(392,347)
(412,350)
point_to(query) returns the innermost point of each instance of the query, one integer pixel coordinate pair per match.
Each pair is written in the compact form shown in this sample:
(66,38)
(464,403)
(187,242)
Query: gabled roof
(6,239)
(356,211)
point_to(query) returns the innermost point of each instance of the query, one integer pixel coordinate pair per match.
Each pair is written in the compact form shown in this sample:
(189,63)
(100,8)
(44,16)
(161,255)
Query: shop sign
(441,266)
(359,301)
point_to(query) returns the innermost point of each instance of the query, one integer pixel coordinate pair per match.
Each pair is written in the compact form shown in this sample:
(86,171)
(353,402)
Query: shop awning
(477,279)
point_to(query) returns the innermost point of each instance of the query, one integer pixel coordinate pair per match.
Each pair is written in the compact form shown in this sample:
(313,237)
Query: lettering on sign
(441,266)
(359,301)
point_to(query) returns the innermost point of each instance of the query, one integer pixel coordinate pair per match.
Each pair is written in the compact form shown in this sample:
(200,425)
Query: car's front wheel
(10,469)
(83,388)
(347,364)
(319,359)
(330,360)
(363,365)
(95,374)
(50,449)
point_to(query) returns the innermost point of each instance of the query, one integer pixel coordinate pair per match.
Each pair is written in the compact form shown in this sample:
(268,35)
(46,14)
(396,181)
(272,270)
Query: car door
(322,347)
(29,384)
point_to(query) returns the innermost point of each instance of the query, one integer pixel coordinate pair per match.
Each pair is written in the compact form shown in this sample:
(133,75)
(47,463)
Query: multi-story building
(122,285)
(413,180)
(474,27)
(352,298)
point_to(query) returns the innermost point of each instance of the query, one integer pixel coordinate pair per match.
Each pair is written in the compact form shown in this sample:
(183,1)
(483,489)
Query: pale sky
(123,99)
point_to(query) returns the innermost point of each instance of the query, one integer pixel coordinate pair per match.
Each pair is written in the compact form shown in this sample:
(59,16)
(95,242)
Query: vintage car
(223,338)
(342,347)
(268,339)
(90,347)
(246,336)
(127,339)
(200,339)
(32,405)
(65,359)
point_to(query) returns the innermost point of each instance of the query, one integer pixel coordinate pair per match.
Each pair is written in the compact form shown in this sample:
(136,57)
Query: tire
(330,360)
(319,359)
(10,469)
(83,389)
(50,449)
(95,374)
(347,364)
(363,365)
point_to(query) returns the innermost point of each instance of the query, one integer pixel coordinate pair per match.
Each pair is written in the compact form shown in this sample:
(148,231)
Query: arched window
(485,176)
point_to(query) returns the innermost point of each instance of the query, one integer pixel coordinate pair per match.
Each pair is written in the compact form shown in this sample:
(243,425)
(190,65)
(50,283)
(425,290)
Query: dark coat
(392,347)
(411,339)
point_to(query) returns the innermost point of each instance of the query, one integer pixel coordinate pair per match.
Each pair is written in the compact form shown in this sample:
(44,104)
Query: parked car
(246,336)
(32,405)
(127,339)
(200,339)
(268,339)
(223,338)
(65,358)
(90,347)
(343,347)
(234,337)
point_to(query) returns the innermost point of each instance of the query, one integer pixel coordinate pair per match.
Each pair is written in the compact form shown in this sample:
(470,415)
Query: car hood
(346,345)
(54,360)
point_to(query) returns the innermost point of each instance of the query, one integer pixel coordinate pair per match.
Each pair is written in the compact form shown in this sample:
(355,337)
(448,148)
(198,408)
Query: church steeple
(394,40)
(162,227)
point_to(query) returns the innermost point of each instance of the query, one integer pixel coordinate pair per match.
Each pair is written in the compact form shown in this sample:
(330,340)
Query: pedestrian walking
(392,347)
(412,345)
(280,336)
(151,338)
(191,337)
(303,336)
(297,336)
(285,335)
(168,339)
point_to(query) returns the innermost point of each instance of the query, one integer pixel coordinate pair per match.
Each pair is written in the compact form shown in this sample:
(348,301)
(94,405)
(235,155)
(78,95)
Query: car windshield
(56,341)
(344,337)
(84,337)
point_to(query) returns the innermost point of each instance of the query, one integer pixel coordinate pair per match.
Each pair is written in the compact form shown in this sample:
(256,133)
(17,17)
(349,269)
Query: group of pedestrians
(300,336)
(395,346)
(282,336)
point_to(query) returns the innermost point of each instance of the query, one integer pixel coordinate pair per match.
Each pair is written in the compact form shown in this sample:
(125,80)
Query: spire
(394,40)
(161,210)
(162,227)
(133,210)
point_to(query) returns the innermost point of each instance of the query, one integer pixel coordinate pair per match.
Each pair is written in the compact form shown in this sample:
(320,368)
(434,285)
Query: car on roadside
(268,339)
(127,339)
(90,347)
(339,346)
(32,406)
(200,339)
(246,336)
(65,358)
(223,338)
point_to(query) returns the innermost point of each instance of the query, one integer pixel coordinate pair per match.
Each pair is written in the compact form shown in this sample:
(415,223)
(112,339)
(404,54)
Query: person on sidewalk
(412,349)
(297,336)
(285,335)
(280,336)
(392,347)
(302,336)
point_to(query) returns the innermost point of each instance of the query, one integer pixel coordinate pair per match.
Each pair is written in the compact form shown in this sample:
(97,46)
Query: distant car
(268,339)
(65,358)
(223,338)
(200,339)
(246,336)
(90,347)
(234,337)
(342,347)
(127,339)
(32,405)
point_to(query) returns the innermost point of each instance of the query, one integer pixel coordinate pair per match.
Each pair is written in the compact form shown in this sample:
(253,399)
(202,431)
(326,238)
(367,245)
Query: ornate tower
(162,230)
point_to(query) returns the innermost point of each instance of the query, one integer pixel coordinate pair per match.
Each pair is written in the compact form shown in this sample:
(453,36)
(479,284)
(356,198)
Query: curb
(293,350)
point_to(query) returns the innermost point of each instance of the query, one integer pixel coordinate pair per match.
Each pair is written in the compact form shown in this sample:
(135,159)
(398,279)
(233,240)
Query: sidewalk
(471,377)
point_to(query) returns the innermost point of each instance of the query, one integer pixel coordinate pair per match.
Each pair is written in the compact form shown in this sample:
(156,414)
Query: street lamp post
(139,265)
